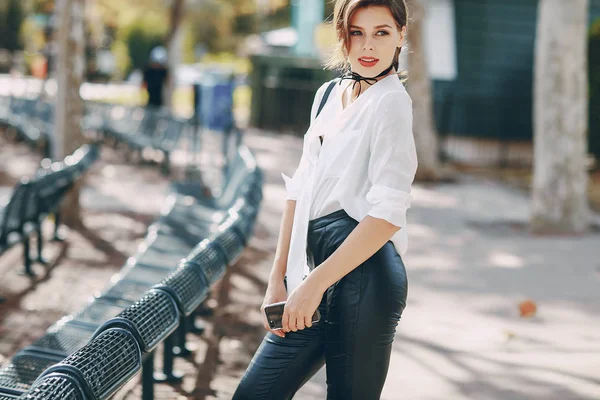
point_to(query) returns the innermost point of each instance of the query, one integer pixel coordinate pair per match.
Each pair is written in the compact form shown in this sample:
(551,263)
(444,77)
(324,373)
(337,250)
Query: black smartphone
(274,313)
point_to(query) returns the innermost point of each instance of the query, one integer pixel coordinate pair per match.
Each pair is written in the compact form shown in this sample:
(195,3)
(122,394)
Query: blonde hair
(343,10)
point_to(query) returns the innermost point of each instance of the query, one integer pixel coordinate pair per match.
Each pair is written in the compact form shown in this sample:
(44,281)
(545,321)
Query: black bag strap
(326,95)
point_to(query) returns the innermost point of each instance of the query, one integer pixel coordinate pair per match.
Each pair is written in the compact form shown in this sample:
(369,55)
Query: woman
(344,221)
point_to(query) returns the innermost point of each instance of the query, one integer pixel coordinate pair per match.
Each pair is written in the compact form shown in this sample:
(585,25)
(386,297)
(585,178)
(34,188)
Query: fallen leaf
(527,308)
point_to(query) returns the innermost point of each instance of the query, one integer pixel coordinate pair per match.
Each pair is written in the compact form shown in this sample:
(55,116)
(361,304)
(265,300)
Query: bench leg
(181,349)
(47,147)
(148,377)
(40,246)
(27,258)
(168,375)
(166,165)
(57,236)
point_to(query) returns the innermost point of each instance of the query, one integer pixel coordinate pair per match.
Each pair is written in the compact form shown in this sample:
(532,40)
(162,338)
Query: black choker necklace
(357,78)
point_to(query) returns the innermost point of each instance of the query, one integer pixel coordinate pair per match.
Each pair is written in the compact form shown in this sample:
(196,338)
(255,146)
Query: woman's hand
(301,305)
(275,293)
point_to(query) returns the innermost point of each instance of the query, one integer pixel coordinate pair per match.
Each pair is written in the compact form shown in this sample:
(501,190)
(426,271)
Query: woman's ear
(402,37)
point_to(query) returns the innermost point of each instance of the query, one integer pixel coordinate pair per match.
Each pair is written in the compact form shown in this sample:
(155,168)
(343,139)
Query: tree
(559,195)
(419,87)
(174,46)
(70,69)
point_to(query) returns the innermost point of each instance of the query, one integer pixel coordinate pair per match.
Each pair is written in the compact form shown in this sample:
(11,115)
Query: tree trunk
(419,88)
(559,195)
(69,104)
(174,47)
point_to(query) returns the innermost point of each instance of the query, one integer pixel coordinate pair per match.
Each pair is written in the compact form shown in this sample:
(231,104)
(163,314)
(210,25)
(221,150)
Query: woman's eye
(379,33)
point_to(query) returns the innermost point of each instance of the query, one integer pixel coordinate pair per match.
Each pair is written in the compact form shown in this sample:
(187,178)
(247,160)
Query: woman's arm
(365,240)
(276,290)
(283,243)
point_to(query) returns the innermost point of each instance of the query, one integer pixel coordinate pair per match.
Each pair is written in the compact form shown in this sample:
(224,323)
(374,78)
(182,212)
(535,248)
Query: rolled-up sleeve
(393,159)
(294,185)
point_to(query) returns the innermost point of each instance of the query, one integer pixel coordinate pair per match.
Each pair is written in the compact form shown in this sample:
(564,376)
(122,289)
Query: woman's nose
(368,44)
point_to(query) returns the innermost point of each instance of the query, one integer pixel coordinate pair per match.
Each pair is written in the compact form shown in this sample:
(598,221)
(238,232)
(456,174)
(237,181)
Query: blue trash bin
(214,102)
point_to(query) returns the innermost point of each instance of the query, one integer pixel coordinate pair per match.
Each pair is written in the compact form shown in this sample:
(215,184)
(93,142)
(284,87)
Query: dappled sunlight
(433,358)
(450,320)
(505,260)
(109,171)
(126,193)
(276,153)
(453,334)
(421,231)
(275,162)
(437,260)
(275,141)
(569,314)
(471,263)
(431,197)
(277,192)
(483,365)
(489,374)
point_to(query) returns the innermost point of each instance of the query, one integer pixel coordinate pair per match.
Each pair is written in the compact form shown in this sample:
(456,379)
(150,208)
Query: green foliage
(594,58)
(11,19)
(135,40)
(140,42)
(594,88)
(123,62)
(245,24)
(219,25)
(211,24)
(279,18)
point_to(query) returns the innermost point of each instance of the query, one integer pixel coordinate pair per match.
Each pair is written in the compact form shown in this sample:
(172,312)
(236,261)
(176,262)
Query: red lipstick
(368,61)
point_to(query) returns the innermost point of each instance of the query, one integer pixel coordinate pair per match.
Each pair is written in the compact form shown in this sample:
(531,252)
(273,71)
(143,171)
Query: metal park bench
(34,199)
(140,130)
(30,120)
(150,301)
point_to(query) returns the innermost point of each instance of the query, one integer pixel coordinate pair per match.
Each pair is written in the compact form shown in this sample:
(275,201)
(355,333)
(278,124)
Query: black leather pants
(359,315)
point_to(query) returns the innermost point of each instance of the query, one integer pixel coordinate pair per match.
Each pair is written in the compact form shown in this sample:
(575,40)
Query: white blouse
(366,165)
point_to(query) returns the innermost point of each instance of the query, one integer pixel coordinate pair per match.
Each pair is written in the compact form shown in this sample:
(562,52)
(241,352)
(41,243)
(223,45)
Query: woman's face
(374,37)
